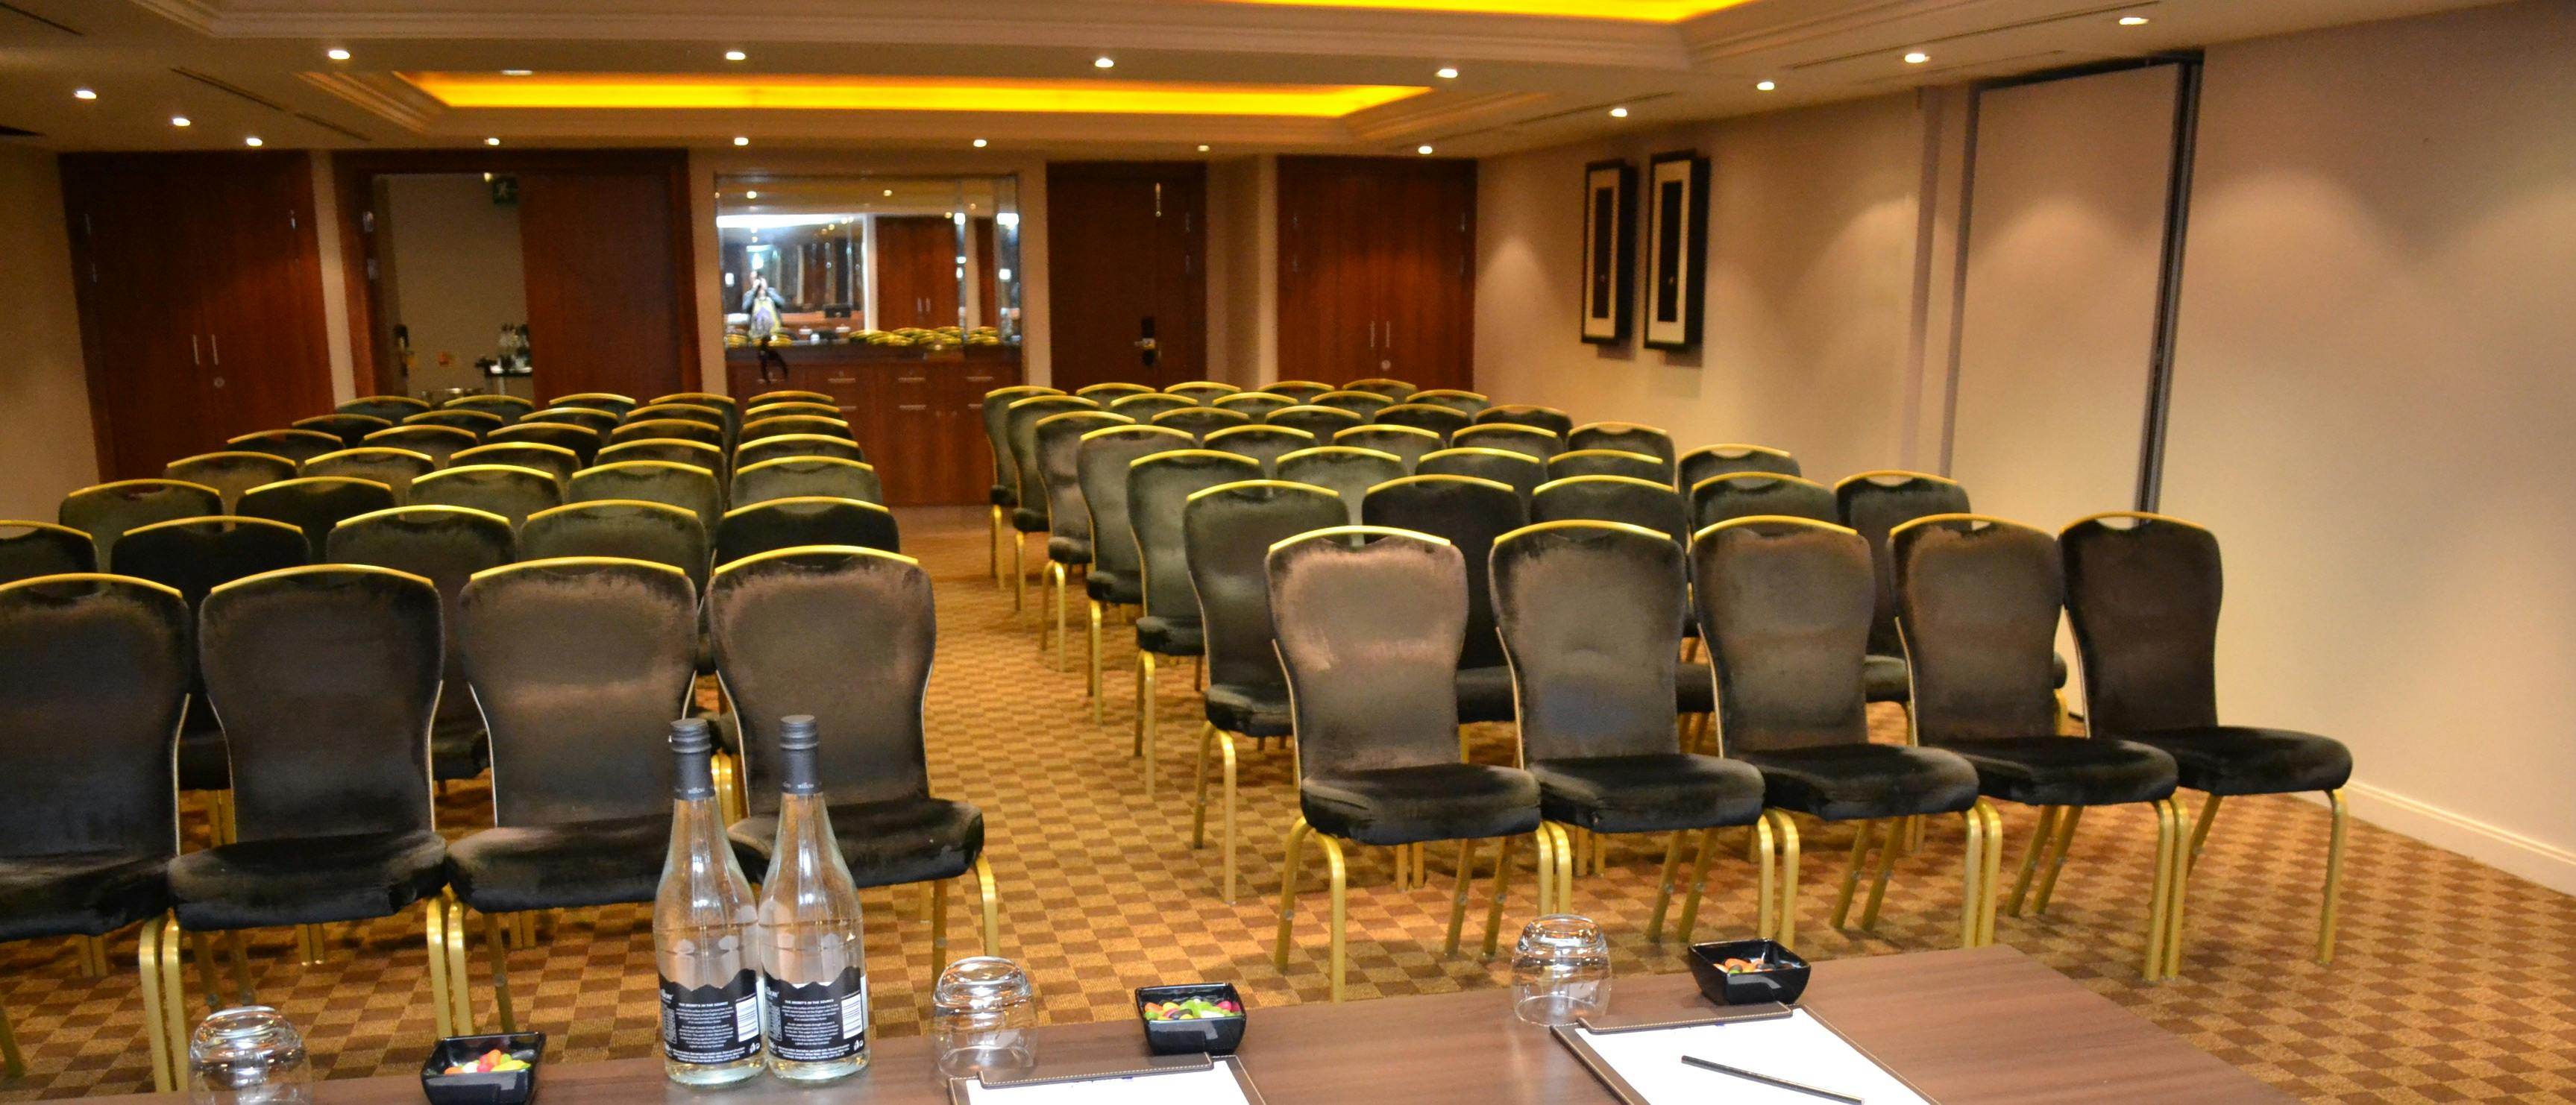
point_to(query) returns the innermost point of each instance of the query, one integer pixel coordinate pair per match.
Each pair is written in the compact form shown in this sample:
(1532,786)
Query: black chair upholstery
(678,429)
(1407,444)
(1469,514)
(1059,450)
(1463,402)
(843,635)
(685,486)
(580,803)
(1608,462)
(671,450)
(1422,416)
(511,492)
(1198,422)
(1510,437)
(1395,391)
(194,556)
(326,678)
(997,437)
(1320,421)
(438,443)
(596,421)
(1143,408)
(43,549)
(1116,574)
(1588,613)
(788,523)
(394,468)
(349,428)
(473,422)
(791,477)
(295,445)
(1255,405)
(1296,391)
(445,545)
(1228,530)
(1021,427)
(230,474)
(1526,414)
(582,440)
(1872,503)
(1201,391)
(1655,506)
(507,408)
(1345,470)
(106,511)
(799,445)
(1731,495)
(1629,437)
(314,504)
(1111,391)
(776,425)
(1361,403)
(1262,444)
(629,529)
(88,825)
(1519,471)
(1158,488)
(1717,460)
(391,408)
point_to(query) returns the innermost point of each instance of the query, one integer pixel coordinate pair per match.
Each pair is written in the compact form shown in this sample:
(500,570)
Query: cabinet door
(915,259)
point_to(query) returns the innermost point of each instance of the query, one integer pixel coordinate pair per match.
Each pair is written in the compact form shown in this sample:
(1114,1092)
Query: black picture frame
(1609,291)
(1676,204)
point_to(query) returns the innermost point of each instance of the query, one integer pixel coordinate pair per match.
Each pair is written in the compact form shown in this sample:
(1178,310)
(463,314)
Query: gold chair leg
(992,901)
(1225,748)
(499,952)
(728,779)
(1698,882)
(1565,860)
(2159,896)
(1019,572)
(89,953)
(1091,686)
(2334,879)
(1288,892)
(238,950)
(1664,887)
(1145,719)
(203,944)
(1199,780)
(165,1004)
(2042,836)
(938,925)
(1890,843)
(1785,924)
(12,1064)
(1577,840)
(2178,895)
(1061,645)
(1458,903)
(147,973)
(1502,890)
(1994,875)
(1766,879)
(1338,874)
(441,997)
(460,981)
(1972,869)
(1396,859)
(1851,873)
(2200,828)
(2066,824)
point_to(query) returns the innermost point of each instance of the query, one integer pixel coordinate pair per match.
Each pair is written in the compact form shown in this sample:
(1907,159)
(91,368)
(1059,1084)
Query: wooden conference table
(1982,1025)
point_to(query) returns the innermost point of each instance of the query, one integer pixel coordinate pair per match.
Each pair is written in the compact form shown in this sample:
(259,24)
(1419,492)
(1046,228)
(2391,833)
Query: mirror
(885,261)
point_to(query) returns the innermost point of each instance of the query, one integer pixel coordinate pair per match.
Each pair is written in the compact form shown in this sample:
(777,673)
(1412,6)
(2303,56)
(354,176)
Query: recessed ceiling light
(1104,61)
(979,143)
(889,191)
(1917,57)
(83,94)
(336,54)
(491,141)
(1423,148)
(1446,73)
(736,55)
(518,72)
(1764,86)
(178,120)
(741,140)
(2133,21)
(751,194)
(1618,113)
(1203,147)
(253,140)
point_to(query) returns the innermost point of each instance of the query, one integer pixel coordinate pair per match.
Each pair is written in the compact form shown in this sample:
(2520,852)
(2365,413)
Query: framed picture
(1609,260)
(1676,248)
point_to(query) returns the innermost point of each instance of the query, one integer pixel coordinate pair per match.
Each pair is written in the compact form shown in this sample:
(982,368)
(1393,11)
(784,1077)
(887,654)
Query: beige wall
(45,443)
(2374,385)
(453,276)
(1243,270)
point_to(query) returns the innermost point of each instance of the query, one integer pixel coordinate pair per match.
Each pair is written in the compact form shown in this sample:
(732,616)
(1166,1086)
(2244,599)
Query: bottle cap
(796,732)
(689,735)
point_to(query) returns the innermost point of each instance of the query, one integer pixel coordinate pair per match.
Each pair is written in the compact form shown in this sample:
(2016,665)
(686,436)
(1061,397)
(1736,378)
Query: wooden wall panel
(603,286)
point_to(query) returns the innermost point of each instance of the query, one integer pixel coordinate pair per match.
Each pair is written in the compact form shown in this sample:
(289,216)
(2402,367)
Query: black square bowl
(1786,979)
(1215,1036)
(515,1087)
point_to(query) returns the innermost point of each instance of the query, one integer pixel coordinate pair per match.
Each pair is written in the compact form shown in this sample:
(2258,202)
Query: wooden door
(1127,255)
(916,270)
(1426,276)
(603,265)
(266,361)
(1376,269)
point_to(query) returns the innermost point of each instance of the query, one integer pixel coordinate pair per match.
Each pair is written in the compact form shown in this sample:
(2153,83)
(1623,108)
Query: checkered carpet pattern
(2452,981)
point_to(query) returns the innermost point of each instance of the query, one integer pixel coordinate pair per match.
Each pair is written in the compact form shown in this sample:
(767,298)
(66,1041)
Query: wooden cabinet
(1377,269)
(199,282)
(916,272)
(919,413)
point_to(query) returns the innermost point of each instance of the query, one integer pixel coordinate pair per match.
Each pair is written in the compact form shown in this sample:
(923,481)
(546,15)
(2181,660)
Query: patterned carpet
(1101,893)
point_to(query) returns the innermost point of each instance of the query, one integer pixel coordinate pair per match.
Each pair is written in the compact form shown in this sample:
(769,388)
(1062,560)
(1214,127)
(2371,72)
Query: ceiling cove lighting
(518,72)
(2133,21)
(1424,149)
(491,141)
(1765,86)
(83,94)
(1645,11)
(336,54)
(1203,147)
(980,143)
(1917,57)
(630,91)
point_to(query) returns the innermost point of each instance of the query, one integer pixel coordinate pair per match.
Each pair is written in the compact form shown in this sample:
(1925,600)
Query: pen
(1768,1080)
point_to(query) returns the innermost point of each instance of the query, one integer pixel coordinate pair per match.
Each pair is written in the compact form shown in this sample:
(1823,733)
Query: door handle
(1372,333)
(912,407)
(1390,333)
(194,357)
(215,346)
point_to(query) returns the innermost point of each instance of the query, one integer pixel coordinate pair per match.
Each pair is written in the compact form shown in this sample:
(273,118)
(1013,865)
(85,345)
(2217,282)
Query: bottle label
(817,1023)
(711,1024)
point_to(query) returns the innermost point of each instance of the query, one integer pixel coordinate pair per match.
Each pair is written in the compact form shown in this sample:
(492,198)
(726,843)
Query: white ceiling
(257,67)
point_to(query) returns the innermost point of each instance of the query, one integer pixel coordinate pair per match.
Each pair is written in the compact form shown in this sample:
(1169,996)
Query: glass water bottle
(814,986)
(703,917)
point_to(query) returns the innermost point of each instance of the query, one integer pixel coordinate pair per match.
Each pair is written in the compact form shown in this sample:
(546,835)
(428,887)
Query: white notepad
(1797,1047)
(1215,1085)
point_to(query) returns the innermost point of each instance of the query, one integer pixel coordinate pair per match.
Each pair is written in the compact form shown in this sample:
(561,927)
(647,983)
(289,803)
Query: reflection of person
(762,303)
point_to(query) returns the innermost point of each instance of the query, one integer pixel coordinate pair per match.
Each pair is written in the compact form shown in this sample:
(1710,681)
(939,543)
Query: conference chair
(1263,444)
(553,460)
(1344,470)
(507,407)
(105,511)
(1367,641)
(1297,391)
(1509,437)
(1608,462)
(1201,391)
(789,477)
(326,678)
(685,412)
(295,445)
(1005,492)
(810,445)
(627,529)
(785,395)
(43,549)
(1468,513)
(1463,402)
(1625,499)
(723,404)
(1977,605)
(1407,444)
(686,486)
(797,407)
(776,425)
(513,493)
(193,556)
(391,408)
(581,782)
(1322,422)
(1255,405)
(349,428)
(313,504)
(789,523)
(844,636)
(680,429)
(88,825)
(582,440)
(1198,422)
(1143,408)
(1629,437)
(1158,487)
(1422,416)
(394,468)
(1717,460)
(1787,603)
(1058,445)
(1365,404)
(1116,577)
(445,545)
(1872,504)
(473,422)
(1731,495)
(2142,592)
(1020,429)
(606,402)
(230,473)
(1228,530)
(1111,392)
(1395,391)
(438,443)
(1519,471)
(705,458)
(1588,612)
(596,421)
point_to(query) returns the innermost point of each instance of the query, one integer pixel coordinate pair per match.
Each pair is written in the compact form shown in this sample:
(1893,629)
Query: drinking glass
(1560,970)
(248,1056)
(983,1014)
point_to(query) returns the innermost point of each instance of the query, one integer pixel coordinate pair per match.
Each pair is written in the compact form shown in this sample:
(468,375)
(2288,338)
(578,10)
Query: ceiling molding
(1713,40)
(200,16)
(382,95)
(1406,118)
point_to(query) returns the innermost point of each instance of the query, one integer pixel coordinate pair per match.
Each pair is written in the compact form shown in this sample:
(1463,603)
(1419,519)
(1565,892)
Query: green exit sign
(505,191)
